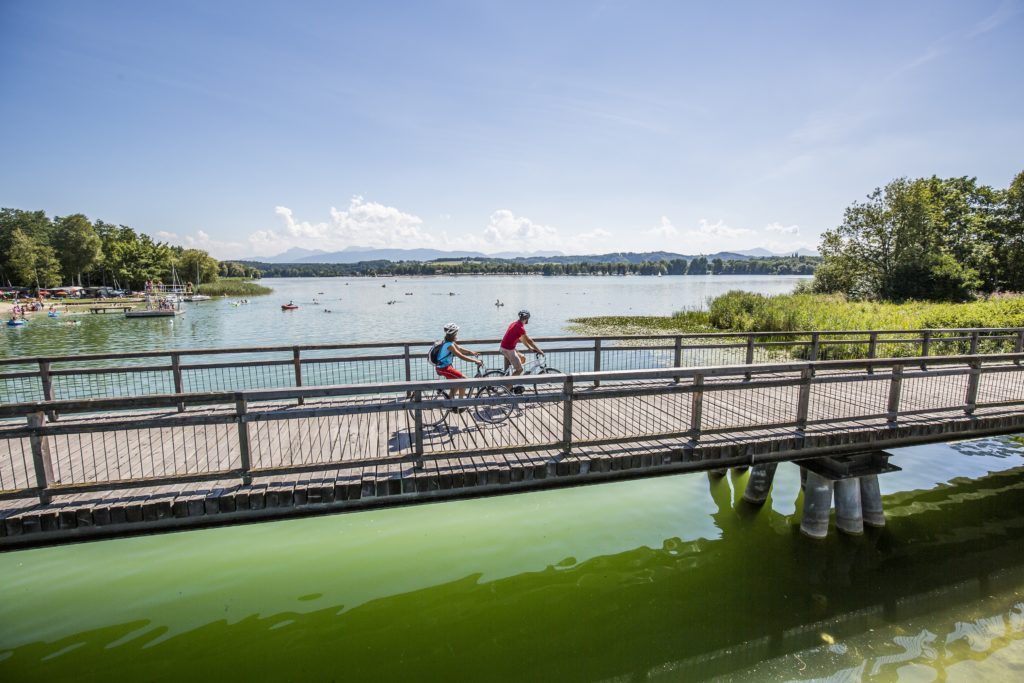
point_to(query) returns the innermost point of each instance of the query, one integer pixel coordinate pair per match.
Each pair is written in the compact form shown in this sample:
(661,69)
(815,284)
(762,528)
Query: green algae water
(670,578)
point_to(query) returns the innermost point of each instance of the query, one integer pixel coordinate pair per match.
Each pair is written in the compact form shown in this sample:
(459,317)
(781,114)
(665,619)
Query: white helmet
(451,328)
(524,314)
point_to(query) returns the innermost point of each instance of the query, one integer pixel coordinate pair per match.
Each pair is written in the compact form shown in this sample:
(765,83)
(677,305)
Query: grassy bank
(233,286)
(747,312)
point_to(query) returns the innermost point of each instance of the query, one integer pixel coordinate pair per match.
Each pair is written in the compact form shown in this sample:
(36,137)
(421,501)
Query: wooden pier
(80,468)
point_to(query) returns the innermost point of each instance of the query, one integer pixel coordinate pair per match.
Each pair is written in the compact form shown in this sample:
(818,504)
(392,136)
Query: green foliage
(929,238)
(78,246)
(233,287)
(32,247)
(746,312)
(31,263)
(195,265)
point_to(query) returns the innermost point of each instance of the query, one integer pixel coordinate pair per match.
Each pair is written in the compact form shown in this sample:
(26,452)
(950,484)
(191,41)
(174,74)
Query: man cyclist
(515,332)
(446,355)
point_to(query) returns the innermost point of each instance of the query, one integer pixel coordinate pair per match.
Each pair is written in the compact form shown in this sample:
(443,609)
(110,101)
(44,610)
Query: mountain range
(359,254)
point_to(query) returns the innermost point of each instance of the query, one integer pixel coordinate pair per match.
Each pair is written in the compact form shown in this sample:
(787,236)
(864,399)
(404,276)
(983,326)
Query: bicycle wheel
(547,371)
(436,418)
(499,407)
(494,373)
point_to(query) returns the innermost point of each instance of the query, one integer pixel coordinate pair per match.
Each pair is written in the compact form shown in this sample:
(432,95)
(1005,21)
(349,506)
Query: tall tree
(31,264)
(78,246)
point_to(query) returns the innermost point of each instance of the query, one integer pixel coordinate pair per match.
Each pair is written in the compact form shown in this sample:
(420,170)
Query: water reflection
(673,578)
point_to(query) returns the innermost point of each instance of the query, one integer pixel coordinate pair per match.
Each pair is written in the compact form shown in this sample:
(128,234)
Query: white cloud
(665,229)
(202,240)
(783,229)
(720,229)
(507,231)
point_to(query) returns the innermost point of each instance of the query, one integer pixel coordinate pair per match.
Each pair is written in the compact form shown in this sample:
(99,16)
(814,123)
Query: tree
(32,264)
(905,242)
(79,248)
(198,265)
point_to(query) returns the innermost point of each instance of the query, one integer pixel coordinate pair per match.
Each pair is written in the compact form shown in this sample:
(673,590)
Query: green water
(671,578)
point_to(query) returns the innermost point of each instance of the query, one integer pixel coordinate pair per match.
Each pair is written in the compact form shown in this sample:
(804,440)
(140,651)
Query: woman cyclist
(446,355)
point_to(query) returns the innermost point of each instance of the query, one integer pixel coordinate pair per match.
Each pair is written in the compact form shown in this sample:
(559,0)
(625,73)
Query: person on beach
(515,332)
(446,354)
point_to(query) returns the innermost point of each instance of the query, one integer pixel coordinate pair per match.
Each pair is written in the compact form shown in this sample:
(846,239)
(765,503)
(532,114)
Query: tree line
(39,251)
(781,265)
(927,238)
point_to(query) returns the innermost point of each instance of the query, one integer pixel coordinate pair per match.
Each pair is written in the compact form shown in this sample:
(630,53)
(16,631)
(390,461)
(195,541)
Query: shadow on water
(688,609)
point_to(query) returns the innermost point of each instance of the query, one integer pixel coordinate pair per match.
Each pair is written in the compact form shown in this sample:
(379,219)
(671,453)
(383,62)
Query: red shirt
(512,335)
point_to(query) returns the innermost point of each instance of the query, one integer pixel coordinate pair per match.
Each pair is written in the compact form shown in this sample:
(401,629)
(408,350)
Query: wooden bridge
(97,445)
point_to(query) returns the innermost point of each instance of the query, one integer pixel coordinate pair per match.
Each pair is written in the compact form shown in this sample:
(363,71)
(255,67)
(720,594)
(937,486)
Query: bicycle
(538,366)
(499,408)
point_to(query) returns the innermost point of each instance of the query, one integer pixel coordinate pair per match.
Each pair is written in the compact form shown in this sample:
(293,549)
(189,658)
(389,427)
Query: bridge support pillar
(849,517)
(817,506)
(871,501)
(854,480)
(759,485)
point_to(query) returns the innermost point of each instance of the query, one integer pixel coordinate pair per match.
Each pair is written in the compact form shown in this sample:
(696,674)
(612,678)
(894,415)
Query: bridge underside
(401,480)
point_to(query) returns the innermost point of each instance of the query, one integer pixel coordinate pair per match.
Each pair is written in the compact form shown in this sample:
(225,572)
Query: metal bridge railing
(148,373)
(163,439)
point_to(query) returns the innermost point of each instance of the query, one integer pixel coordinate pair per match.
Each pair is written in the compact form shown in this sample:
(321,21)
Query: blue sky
(247,128)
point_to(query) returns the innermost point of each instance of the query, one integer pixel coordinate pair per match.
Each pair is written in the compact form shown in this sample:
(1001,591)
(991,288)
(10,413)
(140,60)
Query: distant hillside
(367,254)
(650,263)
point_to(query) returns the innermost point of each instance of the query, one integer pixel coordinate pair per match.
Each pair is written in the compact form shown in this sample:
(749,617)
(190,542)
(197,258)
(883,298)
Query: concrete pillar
(759,485)
(871,501)
(849,518)
(817,505)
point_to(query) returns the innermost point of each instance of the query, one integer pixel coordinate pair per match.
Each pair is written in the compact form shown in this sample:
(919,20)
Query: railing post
(1018,347)
(974,343)
(41,460)
(417,413)
(971,402)
(815,346)
(750,354)
(872,350)
(597,359)
(244,445)
(179,386)
(895,385)
(408,364)
(297,362)
(926,343)
(697,405)
(47,382)
(567,393)
(804,399)
(677,356)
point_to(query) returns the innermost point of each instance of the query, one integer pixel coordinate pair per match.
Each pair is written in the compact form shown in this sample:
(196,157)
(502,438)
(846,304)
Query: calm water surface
(360,312)
(671,578)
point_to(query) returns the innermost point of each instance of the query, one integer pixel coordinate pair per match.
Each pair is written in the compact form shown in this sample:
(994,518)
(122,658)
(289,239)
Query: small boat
(16,323)
(197,297)
(288,307)
(53,314)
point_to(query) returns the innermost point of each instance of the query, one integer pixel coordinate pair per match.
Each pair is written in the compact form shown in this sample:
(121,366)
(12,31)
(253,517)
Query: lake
(344,310)
(669,578)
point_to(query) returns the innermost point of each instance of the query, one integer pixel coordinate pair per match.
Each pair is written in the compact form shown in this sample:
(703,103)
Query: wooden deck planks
(332,441)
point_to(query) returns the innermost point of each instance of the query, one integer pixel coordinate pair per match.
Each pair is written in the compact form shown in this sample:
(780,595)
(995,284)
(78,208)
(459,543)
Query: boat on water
(197,297)
(162,301)
(289,307)
(16,323)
